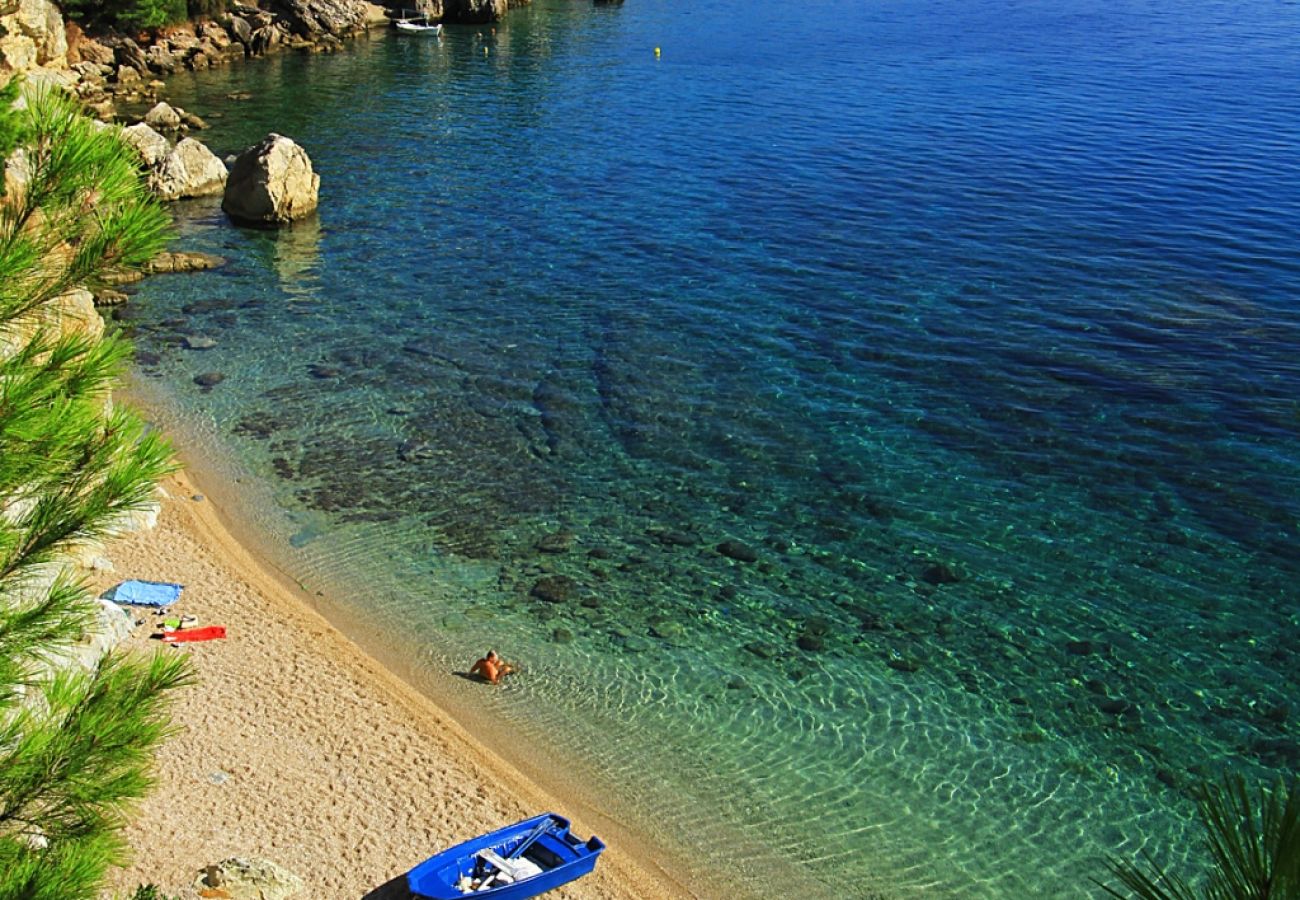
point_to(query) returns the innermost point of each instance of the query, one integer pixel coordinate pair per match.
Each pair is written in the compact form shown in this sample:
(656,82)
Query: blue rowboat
(521,860)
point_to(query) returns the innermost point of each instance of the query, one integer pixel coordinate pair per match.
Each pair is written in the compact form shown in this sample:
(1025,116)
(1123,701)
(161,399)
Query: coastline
(298,746)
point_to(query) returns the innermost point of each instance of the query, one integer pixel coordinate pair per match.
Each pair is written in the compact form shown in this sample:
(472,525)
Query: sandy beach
(297,746)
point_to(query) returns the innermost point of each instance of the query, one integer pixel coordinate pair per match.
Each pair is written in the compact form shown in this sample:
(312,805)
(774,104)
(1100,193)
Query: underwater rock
(599,553)
(414,450)
(738,551)
(556,542)
(672,538)
(1116,707)
(667,629)
(197,342)
(762,651)
(940,573)
(316,370)
(1166,777)
(590,601)
(554,588)
(817,625)
(1080,648)
(903,664)
(208,380)
(562,636)
(813,643)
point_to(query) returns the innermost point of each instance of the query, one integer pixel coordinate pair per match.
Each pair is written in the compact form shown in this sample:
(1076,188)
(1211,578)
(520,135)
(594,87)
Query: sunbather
(492,668)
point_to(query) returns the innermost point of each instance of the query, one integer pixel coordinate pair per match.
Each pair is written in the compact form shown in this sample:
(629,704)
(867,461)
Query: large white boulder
(190,170)
(271,183)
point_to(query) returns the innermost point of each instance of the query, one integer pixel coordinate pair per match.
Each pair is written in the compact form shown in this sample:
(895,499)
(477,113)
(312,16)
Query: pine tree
(74,745)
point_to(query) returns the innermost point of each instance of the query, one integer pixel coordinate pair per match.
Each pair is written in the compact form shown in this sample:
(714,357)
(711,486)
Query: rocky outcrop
(271,183)
(475,11)
(309,18)
(251,878)
(31,35)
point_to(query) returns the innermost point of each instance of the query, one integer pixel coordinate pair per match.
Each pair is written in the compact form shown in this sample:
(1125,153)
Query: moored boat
(416,23)
(521,860)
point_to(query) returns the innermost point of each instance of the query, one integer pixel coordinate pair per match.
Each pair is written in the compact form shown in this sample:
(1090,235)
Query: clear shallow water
(977,327)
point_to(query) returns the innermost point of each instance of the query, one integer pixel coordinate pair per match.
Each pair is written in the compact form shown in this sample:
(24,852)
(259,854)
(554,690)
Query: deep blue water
(976,325)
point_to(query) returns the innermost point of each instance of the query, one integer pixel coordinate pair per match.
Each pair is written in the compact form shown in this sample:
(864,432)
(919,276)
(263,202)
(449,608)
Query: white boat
(417,25)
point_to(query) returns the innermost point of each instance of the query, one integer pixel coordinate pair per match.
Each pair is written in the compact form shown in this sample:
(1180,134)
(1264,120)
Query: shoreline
(301,747)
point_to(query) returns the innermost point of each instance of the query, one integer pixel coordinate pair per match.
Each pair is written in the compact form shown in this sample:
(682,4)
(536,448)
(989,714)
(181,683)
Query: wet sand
(297,746)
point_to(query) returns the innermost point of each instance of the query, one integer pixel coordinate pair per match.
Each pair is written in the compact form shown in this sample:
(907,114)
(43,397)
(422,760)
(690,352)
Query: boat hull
(543,841)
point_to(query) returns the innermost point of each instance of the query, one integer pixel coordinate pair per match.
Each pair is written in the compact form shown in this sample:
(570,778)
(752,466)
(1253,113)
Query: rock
(190,170)
(813,643)
(149,145)
(163,117)
(475,11)
(738,551)
(271,183)
(93,51)
(316,370)
(556,542)
(671,538)
(130,54)
(667,629)
(195,342)
(315,18)
(109,297)
(248,878)
(1116,707)
(183,261)
(940,573)
(189,120)
(32,33)
(554,588)
(239,29)
(127,77)
(562,636)
(1079,648)
(903,664)
(208,380)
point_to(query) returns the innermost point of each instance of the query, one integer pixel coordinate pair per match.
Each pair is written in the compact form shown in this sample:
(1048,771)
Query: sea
(872,424)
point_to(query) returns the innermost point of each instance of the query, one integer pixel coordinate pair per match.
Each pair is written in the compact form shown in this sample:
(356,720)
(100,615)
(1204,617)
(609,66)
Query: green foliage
(10,120)
(82,212)
(1253,844)
(127,14)
(74,744)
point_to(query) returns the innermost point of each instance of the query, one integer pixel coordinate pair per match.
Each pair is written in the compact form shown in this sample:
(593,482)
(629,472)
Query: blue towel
(145,593)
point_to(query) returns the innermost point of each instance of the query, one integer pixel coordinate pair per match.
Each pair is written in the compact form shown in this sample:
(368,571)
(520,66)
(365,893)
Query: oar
(541,829)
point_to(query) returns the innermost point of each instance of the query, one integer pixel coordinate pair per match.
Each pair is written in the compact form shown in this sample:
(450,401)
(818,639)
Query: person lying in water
(492,668)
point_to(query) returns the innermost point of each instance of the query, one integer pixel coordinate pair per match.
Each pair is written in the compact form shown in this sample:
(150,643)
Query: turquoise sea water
(973,328)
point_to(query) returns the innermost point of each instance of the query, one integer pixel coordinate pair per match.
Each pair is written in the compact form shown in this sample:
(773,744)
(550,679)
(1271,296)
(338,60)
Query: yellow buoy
(656,52)
(485,51)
